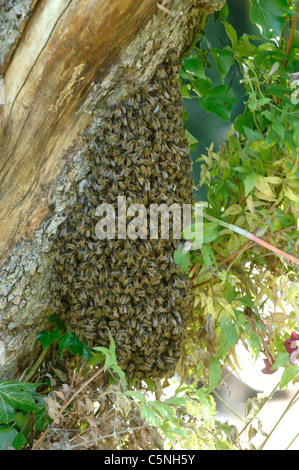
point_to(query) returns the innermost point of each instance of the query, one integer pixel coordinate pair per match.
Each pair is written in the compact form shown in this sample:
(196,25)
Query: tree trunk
(63,63)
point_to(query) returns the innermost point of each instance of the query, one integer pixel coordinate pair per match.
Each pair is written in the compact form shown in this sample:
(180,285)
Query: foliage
(244,292)
(21,410)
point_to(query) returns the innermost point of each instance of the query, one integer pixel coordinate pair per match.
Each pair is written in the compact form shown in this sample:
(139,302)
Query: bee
(136,149)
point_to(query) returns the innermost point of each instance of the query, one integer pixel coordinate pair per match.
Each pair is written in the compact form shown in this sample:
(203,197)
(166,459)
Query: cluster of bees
(130,287)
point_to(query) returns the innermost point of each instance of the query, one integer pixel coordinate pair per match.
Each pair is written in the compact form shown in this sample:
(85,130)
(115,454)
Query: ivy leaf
(16,395)
(57,321)
(219,100)
(7,436)
(269,16)
(71,341)
(46,338)
(19,441)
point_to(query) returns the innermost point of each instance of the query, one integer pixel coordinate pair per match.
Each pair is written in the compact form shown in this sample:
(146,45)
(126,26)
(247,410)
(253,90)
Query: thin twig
(163,8)
(254,417)
(92,441)
(36,366)
(292,441)
(290,404)
(80,389)
(62,409)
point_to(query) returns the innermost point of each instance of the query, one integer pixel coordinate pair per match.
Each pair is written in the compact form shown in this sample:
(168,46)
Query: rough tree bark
(59,60)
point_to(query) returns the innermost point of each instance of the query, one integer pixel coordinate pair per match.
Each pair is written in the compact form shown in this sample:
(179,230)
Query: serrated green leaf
(228,335)
(163,409)
(117,370)
(210,232)
(150,416)
(192,140)
(171,430)
(181,259)
(202,86)
(230,293)
(249,183)
(288,375)
(224,59)
(269,16)
(215,374)
(137,395)
(219,100)
(194,65)
(282,360)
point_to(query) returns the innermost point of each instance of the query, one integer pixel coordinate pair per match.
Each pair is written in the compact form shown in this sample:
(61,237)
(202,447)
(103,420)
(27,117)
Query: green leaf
(278,90)
(215,374)
(7,435)
(137,395)
(230,293)
(208,255)
(282,360)
(162,409)
(224,59)
(57,321)
(268,16)
(242,121)
(192,140)
(204,398)
(110,358)
(288,375)
(202,86)
(224,12)
(210,232)
(219,100)
(46,338)
(97,358)
(18,441)
(71,341)
(150,416)
(228,335)
(253,136)
(271,139)
(176,401)
(16,395)
(194,65)
(249,183)
(231,32)
(117,370)
(181,259)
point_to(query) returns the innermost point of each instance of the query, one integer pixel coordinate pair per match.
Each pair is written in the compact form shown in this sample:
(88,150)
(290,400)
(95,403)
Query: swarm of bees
(130,287)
